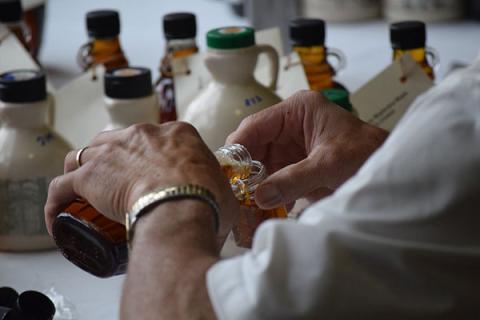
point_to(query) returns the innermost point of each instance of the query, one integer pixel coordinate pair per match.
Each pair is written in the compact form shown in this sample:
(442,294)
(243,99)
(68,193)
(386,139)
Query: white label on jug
(21,206)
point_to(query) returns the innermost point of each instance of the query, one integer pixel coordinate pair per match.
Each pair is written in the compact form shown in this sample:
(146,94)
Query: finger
(86,155)
(60,194)
(106,137)
(260,128)
(289,184)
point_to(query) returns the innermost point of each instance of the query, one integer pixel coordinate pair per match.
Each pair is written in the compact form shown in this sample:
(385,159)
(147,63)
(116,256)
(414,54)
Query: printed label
(21,206)
(385,99)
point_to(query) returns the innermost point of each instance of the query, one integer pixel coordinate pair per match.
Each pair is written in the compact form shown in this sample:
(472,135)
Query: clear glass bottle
(31,155)
(103,47)
(98,245)
(129,97)
(251,216)
(308,38)
(11,14)
(411,37)
(180,30)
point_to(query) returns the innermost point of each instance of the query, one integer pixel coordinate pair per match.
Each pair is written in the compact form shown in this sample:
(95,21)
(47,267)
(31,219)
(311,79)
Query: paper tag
(13,55)
(80,112)
(291,76)
(385,99)
(188,86)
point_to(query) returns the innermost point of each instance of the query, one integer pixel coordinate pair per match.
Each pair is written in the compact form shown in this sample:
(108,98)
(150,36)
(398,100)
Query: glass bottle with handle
(411,37)
(308,38)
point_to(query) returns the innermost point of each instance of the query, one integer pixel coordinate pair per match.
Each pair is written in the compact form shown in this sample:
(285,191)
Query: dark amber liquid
(111,230)
(165,87)
(419,55)
(317,69)
(35,21)
(107,52)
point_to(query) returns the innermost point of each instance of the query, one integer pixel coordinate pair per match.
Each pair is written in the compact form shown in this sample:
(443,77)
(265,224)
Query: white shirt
(399,240)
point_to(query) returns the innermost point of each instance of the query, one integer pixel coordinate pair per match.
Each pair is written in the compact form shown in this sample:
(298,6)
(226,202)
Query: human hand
(309,145)
(121,166)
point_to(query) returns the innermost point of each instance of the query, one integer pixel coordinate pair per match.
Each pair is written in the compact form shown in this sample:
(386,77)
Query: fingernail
(268,195)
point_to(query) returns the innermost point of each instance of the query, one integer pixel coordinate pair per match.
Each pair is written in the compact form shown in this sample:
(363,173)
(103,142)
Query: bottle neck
(24,115)
(126,112)
(178,48)
(105,46)
(311,54)
(418,54)
(244,189)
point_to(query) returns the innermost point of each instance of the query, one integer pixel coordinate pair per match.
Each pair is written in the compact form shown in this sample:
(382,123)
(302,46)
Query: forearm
(173,248)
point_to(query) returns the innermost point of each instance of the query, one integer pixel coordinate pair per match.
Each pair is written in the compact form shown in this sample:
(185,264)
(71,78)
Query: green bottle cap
(231,38)
(339,97)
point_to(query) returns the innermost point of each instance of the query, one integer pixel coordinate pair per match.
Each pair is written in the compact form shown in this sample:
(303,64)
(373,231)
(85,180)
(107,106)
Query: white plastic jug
(234,93)
(31,155)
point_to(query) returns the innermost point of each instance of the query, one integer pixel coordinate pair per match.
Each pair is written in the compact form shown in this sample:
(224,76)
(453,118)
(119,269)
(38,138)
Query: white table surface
(365,45)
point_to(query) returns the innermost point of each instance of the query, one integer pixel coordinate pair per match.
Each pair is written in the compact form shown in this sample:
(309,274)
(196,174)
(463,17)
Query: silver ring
(78,157)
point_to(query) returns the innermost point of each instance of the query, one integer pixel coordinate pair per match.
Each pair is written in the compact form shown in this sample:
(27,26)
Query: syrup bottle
(129,97)
(103,47)
(98,245)
(308,37)
(410,37)
(31,155)
(180,30)
(11,14)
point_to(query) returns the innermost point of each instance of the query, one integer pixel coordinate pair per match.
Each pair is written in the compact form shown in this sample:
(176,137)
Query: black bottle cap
(10,11)
(128,83)
(179,25)
(23,86)
(103,23)
(8,297)
(408,35)
(307,32)
(87,248)
(35,305)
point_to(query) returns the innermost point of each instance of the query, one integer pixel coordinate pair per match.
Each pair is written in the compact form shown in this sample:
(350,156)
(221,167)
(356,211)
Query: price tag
(385,99)
(80,113)
(13,55)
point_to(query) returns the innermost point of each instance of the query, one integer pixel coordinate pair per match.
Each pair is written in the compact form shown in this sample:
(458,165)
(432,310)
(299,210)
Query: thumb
(289,184)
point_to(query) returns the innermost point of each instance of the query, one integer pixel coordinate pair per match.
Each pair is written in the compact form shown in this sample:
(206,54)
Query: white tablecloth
(366,46)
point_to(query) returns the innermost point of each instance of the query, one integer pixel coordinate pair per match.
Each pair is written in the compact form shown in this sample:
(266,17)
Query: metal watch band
(188,191)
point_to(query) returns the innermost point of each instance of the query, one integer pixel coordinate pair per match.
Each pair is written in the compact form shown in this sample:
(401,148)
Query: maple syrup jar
(31,155)
(234,93)
(129,97)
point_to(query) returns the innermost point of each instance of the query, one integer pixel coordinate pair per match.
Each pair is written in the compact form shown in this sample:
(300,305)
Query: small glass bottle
(251,216)
(129,97)
(98,245)
(410,37)
(308,37)
(104,47)
(180,30)
(11,14)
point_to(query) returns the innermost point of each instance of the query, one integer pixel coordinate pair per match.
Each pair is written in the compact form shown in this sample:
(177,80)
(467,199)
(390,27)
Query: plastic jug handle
(272,55)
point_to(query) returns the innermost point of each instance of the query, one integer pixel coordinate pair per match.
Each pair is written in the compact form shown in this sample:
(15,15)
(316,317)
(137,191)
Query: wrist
(175,222)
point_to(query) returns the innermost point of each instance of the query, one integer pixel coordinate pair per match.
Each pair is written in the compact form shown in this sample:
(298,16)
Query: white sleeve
(399,240)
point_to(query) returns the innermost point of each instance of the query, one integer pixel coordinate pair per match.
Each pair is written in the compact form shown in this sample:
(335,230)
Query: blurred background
(357,27)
